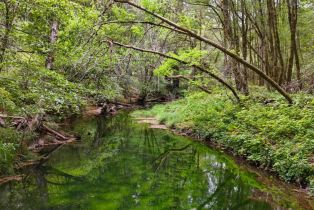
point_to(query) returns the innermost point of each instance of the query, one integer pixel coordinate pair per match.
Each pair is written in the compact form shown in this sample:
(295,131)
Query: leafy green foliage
(169,66)
(8,146)
(6,102)
(45,91)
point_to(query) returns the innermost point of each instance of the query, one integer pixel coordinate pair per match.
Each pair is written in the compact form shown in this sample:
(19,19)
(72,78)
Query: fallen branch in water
(50,130)
(39,147)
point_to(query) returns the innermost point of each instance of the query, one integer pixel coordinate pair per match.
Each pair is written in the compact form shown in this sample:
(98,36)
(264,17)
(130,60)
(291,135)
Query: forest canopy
(243,43)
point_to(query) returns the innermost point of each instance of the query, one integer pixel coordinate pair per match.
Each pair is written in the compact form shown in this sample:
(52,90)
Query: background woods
(68,37)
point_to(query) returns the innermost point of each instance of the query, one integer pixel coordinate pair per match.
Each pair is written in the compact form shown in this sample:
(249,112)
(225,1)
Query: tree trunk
(293,15)
(53,39)
(9,17)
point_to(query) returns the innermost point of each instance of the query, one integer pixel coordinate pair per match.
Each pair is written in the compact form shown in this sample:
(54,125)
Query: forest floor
(267,132)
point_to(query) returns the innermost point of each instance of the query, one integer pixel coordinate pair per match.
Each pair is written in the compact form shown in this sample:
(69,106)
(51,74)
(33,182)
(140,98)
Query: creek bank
(269,178)
(36,149)
(274,137)
(46,136)
(116,153)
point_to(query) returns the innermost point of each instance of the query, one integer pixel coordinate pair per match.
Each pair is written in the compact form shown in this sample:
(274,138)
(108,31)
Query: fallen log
(122,104)
(50,130)
(11,178)
(39,147)
(13,117)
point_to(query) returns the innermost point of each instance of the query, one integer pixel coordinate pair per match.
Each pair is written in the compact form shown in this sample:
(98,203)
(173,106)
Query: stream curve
(121,164)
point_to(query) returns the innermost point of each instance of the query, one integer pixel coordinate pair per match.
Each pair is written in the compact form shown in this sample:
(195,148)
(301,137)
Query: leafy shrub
(44,91)
(8,145)
(6,102)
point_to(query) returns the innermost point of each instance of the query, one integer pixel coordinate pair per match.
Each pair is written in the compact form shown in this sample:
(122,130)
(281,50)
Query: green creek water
(120,164)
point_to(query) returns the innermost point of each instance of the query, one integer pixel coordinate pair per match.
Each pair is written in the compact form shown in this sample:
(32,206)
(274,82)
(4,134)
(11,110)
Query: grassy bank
(269,133)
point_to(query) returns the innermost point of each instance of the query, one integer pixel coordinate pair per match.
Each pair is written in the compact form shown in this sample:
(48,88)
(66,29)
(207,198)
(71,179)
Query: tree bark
(53,39)
(9,17)
(293,18)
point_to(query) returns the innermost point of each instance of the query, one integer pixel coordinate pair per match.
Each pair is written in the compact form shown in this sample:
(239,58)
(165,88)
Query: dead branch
(12,117)
(55,132)
(4,180)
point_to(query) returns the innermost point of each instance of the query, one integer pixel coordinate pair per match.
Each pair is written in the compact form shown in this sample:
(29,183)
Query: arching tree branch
(147,23)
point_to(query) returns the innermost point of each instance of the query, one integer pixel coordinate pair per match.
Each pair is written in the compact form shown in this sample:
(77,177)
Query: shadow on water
(120,164)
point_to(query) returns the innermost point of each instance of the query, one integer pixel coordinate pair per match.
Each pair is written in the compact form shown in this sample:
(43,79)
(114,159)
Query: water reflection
(123,165)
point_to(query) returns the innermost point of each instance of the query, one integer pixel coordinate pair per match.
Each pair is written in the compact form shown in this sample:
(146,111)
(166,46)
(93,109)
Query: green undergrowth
(43,91)
(27,93)
(269,133)
(11,147)
(32,91)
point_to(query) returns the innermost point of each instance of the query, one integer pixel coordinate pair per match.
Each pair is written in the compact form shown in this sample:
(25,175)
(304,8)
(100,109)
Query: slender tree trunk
(226,36)
(292,25)
(293,15)
(298,68)
(275,47)
(9,17)
(53,39)
(231,40)
(244,34)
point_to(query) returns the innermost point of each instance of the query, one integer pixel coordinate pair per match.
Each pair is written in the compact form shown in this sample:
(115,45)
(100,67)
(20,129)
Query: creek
(121,164)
